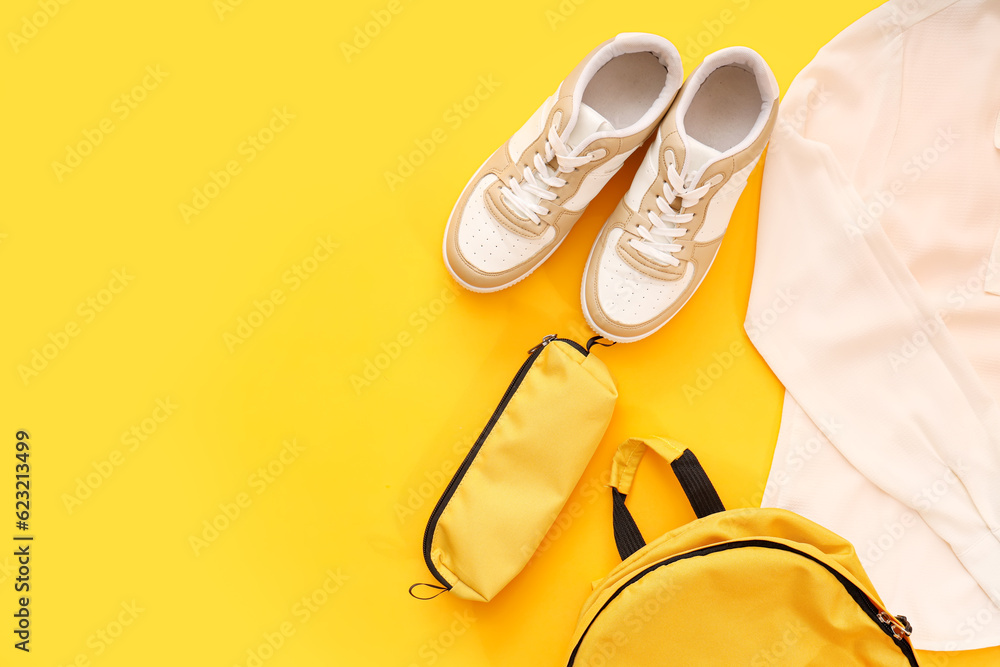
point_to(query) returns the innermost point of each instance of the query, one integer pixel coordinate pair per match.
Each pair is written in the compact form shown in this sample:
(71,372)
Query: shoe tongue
(697,155)
(588,123)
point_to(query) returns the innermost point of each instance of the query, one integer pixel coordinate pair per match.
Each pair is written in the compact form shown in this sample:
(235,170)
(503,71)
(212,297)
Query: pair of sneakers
(657,246)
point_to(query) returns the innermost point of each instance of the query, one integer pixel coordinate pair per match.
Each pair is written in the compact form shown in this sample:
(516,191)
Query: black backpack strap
(627,535)
(697,487)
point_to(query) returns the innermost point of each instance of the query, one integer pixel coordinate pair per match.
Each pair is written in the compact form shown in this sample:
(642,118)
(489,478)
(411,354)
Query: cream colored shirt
(876,302)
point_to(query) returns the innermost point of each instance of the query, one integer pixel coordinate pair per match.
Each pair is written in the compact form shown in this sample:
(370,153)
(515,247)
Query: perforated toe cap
(486,245)
(629,297)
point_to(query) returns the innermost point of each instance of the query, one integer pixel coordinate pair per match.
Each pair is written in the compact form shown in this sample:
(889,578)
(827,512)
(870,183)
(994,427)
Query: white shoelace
(537,181)
(657,241)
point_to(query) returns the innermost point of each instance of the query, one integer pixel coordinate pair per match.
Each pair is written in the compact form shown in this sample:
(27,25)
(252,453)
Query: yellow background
(340,524)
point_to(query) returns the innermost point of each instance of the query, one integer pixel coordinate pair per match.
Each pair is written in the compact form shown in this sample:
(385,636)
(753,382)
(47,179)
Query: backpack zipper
(897,630)
(449,491)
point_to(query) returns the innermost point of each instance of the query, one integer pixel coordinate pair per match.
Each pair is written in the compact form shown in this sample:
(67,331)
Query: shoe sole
(633,339)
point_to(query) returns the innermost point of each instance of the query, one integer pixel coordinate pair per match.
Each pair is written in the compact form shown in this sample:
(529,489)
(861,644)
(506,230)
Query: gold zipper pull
(901,627)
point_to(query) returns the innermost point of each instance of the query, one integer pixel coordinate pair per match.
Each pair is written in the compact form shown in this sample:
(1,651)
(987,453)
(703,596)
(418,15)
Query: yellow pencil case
(521,470)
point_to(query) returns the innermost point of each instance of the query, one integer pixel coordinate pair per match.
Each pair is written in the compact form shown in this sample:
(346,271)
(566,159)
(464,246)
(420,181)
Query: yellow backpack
(739,587)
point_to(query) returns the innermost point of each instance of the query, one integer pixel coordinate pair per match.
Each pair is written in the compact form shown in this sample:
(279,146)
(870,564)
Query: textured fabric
(697,487)
(781,588)
(628,539)
(482,534)
(879,211)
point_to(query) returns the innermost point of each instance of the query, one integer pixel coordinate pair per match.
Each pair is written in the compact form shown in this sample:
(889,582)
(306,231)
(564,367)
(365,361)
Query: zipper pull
(545,341)
(596,340)
(900,627)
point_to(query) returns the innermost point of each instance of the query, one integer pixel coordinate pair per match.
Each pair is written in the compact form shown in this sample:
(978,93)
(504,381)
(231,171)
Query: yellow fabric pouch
(521,470)
(737,587)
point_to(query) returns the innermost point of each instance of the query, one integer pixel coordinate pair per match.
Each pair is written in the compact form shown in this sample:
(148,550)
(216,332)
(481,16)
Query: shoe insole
(725,108)
(625,88)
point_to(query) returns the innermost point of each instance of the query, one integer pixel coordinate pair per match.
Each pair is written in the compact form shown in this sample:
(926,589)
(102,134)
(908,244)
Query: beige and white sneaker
(659,243)
(521,204)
